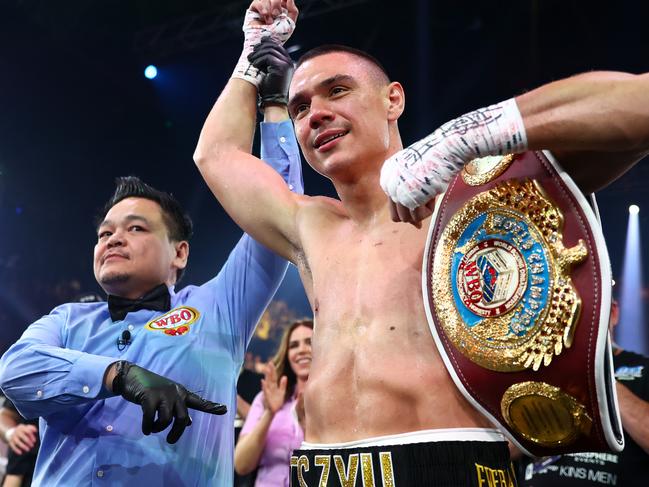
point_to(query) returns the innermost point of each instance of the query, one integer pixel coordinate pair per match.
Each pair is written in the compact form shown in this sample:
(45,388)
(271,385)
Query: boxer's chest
(356,275)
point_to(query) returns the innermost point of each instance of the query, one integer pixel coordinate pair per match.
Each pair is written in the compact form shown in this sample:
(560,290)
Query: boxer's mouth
(328,136)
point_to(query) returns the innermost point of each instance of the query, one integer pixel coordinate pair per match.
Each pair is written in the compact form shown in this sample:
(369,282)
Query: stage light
(630,333)
(151,71)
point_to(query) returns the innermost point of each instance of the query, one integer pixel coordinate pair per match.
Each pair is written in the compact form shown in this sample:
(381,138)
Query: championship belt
(517,290)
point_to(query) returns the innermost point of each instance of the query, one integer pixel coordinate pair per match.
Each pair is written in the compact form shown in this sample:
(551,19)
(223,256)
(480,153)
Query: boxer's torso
(376,370)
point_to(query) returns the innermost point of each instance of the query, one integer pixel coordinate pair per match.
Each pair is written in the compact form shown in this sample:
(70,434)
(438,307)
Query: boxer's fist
(275,17)
(415,175)
(264,18)
(270,18)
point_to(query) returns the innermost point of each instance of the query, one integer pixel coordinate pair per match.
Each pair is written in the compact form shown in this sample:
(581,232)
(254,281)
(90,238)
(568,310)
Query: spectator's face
(133,253)
(299,351)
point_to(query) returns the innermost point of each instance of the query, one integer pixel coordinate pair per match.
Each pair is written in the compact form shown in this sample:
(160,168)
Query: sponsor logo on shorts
(175,322)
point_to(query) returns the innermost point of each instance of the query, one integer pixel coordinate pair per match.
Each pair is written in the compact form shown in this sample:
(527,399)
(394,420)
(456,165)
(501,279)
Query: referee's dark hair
(179,225)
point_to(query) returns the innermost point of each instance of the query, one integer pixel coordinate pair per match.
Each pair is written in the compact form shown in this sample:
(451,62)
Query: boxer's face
(299,351)
(339,109)
(133,253)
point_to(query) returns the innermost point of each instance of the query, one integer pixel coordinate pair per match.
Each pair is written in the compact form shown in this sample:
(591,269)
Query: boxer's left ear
(396,98)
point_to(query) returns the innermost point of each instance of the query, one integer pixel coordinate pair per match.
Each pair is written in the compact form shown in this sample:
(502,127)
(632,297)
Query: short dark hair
(179,224)
(329,48)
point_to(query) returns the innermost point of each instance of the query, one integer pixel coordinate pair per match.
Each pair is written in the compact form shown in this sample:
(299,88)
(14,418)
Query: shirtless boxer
(381,408)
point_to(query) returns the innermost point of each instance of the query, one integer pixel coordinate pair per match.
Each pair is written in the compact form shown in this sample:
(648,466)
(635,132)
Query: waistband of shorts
(424,436)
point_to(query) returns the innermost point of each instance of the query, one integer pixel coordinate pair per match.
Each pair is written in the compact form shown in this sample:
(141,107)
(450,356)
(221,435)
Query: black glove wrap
(274,61)
(133,383)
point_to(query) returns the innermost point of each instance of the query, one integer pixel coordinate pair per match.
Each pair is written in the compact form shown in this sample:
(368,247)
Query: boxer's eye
(300,110)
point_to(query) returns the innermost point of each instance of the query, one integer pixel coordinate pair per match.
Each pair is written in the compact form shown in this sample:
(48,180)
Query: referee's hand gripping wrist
(161,396)
(273,60)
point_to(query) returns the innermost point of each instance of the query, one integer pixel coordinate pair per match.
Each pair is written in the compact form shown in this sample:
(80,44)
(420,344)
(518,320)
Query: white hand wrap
(418,173)
(280,30)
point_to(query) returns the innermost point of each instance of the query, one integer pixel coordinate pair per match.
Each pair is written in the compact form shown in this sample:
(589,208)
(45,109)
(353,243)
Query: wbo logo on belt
(516,285)
(509,307)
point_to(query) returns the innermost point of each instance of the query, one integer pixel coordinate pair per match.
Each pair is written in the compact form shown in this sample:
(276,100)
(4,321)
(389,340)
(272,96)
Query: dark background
(76,110)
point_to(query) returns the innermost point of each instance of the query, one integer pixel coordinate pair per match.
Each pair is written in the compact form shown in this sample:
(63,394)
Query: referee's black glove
(273,60)
(159,394)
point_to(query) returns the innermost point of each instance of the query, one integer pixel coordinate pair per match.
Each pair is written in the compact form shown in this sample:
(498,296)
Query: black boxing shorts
(437,458)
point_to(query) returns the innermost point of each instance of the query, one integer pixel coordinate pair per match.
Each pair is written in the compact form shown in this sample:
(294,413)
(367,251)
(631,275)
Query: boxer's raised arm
(252,193)
(596,124)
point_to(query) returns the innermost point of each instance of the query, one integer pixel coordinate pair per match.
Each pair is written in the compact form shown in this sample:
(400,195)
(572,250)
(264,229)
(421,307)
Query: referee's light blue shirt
(88,436)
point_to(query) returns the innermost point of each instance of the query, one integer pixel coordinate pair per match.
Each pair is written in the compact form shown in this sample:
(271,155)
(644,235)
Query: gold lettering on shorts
(323,461)
(479,471)
(300,464)
(493,477)
(293,463)
(367,469)
(387,471)
(347,478)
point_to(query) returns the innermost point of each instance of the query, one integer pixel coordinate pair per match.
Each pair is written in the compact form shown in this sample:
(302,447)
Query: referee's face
(133,253)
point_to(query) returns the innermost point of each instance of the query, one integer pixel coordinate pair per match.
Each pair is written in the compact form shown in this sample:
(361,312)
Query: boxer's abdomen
(376,370)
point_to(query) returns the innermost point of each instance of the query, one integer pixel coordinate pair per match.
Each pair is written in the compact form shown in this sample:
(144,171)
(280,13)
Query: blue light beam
(630,333)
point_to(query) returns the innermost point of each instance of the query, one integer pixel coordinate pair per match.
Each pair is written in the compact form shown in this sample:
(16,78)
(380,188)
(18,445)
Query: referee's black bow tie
(157,299)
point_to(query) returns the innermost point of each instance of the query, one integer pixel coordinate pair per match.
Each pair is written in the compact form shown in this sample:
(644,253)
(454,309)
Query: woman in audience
(272,430)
